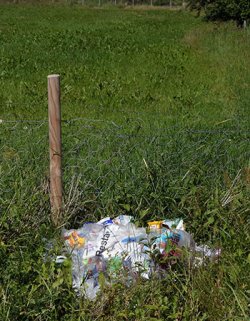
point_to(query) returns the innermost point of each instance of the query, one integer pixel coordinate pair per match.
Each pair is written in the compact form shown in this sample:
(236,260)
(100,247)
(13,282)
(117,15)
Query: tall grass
(155,124)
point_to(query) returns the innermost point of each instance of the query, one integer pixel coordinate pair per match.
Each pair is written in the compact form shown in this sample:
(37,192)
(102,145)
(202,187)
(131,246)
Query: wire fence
(170,3)
(109,165)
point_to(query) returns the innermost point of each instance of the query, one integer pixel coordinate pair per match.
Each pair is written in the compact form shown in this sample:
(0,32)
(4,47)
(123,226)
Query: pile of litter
(118,249)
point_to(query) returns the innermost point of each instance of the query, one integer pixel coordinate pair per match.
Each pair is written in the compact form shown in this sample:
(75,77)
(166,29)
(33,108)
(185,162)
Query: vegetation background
(155,108)
(223,10)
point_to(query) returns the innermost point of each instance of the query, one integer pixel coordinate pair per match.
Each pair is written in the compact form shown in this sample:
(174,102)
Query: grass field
(156,124)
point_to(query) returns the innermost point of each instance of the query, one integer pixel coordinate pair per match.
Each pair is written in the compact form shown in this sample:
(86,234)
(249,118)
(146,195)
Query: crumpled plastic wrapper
(118,249)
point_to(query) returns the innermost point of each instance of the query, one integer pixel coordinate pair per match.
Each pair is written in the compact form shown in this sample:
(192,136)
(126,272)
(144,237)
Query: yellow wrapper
(75,240)
(155,225)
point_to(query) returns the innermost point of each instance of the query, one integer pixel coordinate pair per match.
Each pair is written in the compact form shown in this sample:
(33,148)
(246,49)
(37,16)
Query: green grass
(164,132)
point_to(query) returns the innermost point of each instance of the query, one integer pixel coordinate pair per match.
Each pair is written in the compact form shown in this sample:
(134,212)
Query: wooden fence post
(55,147)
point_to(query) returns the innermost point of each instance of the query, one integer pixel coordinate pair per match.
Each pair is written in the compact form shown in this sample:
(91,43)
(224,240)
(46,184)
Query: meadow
(156,124)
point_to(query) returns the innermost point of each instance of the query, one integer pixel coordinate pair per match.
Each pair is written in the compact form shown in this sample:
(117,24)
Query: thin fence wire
(168,3)
(109,165)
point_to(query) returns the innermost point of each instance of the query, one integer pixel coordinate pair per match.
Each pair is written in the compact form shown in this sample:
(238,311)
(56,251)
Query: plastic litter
(203,253)
(118,249)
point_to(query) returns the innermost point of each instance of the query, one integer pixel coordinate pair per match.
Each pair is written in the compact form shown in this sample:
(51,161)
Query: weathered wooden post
(55,147)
